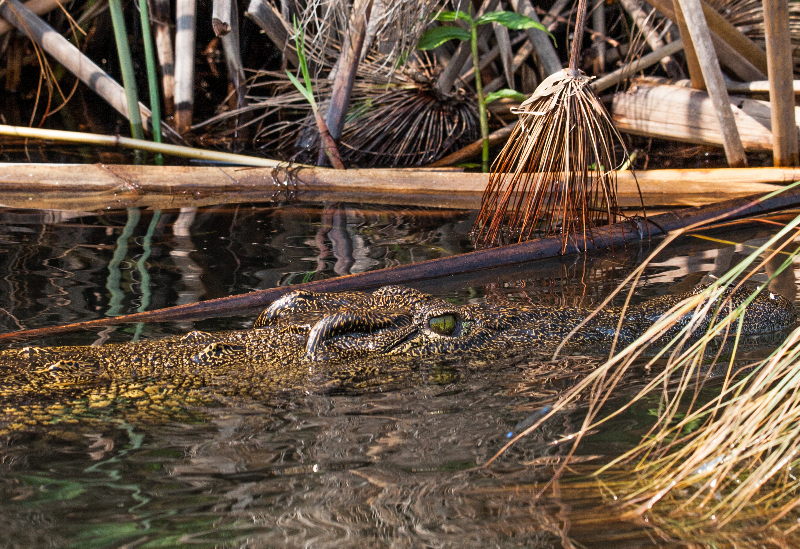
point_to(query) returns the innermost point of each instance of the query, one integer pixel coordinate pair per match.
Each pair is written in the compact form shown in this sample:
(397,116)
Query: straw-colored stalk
(128,143)
(732,456)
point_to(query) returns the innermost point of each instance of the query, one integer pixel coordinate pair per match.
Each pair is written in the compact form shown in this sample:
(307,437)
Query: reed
(128,143)
(730,458)
(152,75)
(126,66)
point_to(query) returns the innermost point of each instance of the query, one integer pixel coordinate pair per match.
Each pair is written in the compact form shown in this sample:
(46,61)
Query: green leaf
(301,88)
(500,94)
(512,20)
(453,15)
(433,38)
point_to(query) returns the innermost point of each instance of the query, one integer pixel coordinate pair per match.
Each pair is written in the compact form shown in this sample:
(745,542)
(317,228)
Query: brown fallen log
(92,187)
(618,234)
(684,114)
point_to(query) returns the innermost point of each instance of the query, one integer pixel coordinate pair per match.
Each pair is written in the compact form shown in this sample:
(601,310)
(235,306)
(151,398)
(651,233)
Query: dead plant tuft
(557,173)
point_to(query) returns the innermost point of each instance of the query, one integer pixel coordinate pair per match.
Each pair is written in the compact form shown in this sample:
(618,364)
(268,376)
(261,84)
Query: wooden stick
(599,27)
(275,26)
(695,72)
(221,11)
(734,37)
(618,234)
(545,52)
(637,65)
(185,15)
(781,95)
(752,59)
(712,74)
(686,114)
(166,55)
(346,73)
(39,7)
(757,86)
(506,54)
(230,46)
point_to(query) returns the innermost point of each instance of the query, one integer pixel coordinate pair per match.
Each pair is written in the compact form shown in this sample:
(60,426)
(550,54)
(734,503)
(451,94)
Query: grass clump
(708,462)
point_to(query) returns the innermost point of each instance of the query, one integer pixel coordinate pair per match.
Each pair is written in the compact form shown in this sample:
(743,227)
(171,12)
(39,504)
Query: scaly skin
(299,335)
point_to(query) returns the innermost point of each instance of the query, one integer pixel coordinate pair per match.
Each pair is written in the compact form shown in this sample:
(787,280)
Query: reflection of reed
(191,289)
(144,274)
(114,280)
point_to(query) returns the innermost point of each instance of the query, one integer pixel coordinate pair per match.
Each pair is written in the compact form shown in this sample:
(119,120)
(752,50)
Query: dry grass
(708,461)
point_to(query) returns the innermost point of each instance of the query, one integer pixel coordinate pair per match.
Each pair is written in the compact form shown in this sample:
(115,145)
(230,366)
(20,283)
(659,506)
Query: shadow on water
(382,460)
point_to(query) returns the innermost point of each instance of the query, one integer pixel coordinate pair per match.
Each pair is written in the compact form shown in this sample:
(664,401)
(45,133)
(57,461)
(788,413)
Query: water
(388,460)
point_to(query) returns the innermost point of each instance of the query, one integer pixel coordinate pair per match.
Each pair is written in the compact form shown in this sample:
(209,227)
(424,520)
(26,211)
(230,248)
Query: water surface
(388,461)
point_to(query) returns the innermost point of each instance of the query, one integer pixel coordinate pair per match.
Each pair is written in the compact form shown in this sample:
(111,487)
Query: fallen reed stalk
(137,144)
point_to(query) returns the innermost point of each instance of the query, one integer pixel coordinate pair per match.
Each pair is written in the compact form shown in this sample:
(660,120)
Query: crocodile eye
(443,324)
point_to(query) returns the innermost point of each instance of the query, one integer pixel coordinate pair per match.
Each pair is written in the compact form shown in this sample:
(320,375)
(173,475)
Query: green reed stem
(484,118)
(126,65)
(152,76)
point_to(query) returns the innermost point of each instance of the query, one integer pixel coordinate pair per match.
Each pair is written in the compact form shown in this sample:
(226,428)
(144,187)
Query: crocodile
(305,333)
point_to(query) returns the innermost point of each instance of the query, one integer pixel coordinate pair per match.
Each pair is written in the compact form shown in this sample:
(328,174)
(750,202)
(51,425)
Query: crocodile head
(396,320)
(393,320)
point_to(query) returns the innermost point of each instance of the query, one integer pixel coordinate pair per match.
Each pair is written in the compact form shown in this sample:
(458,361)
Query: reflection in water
(388,459)
(50,261)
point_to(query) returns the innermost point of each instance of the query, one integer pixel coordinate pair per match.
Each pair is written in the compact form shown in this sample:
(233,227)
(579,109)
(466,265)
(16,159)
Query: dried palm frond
(557,173)
(407,126)
(748,17)
(397,122)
